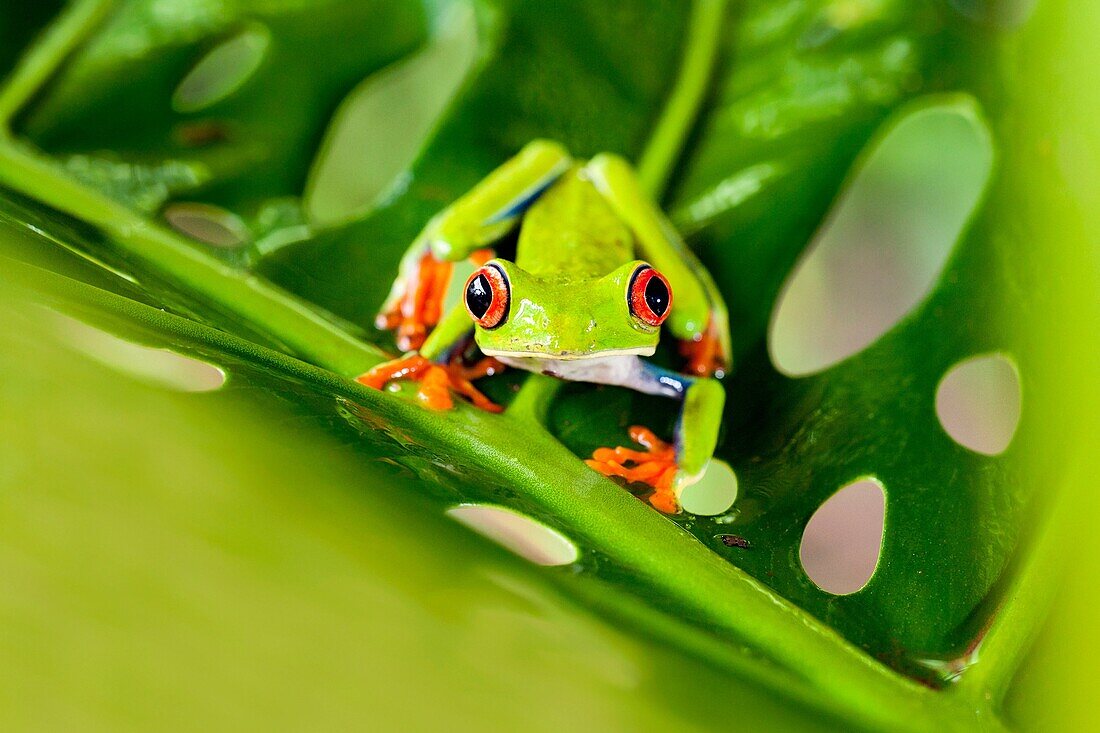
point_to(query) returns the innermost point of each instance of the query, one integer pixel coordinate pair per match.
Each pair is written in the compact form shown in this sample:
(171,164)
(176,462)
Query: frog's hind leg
(668,467)
(699,318)
(655,466)
(467,229)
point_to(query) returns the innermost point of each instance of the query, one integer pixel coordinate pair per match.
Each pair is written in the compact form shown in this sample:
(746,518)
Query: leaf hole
(157,367)
(222,70)
(712,494)
(207,223)
(384,122)
(881,251)
(526,537)
(843,540)
(978,403)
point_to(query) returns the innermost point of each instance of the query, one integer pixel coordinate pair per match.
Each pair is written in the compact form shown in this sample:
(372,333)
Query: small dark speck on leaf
(733,540)
(205,132)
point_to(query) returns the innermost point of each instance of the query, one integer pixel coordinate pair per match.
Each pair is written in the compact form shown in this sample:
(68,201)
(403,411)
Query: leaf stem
(659,158)
(1023,610)
(287,320)
(45,56)
(270,310)
(534,399)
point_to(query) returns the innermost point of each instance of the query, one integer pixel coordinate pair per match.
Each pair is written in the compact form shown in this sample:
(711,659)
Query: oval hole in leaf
(381,126)
(223,70)
(157,367)
(528,538)
(207,223)
(843,539)
(978,403)
(714,493)
(885,244)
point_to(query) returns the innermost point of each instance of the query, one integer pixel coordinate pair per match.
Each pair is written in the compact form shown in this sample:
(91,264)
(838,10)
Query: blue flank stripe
(668,380)
(520,205)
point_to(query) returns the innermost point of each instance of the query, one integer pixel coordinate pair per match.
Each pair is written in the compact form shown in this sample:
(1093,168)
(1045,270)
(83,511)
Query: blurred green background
(204,524)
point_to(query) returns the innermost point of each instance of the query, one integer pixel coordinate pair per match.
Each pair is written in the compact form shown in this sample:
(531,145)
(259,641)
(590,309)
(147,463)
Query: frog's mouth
(551,356)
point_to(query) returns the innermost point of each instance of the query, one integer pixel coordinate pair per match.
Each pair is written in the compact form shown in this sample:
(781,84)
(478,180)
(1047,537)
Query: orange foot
(420,305)
(704,355)
(437,382)
(413,314)
(655,466)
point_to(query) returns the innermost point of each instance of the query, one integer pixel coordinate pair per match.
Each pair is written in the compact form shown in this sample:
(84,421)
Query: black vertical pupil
(479,296)
(657,296)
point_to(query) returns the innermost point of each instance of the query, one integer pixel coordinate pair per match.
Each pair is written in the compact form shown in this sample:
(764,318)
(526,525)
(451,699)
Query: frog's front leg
(466,229)
(439,367)
(669,467)
(415,303)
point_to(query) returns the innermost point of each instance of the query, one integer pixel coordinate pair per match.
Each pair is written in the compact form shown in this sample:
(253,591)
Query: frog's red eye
(649,296)
(487,296)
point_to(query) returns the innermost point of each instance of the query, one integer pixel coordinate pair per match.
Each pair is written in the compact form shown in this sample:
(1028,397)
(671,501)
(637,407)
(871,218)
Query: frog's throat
(569,355)
(620,368)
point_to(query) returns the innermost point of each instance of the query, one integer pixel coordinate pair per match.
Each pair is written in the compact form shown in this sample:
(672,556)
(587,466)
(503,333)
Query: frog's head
(519,315)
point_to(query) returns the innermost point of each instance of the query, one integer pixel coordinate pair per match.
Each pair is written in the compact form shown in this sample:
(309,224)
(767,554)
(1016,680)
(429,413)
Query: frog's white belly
(621,370)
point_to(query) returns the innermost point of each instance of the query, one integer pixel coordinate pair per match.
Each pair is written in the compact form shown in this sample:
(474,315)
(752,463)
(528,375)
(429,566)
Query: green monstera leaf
(217,195)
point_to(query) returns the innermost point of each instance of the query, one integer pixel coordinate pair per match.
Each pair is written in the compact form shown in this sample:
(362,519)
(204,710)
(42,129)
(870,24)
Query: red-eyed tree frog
(598,271)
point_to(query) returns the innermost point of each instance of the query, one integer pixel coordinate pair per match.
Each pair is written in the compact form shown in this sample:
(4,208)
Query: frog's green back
(572,233)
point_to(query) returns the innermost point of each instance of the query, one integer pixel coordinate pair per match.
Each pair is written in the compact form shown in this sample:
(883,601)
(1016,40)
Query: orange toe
(407,367)
(655,467)
(464,387)
(436,382)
